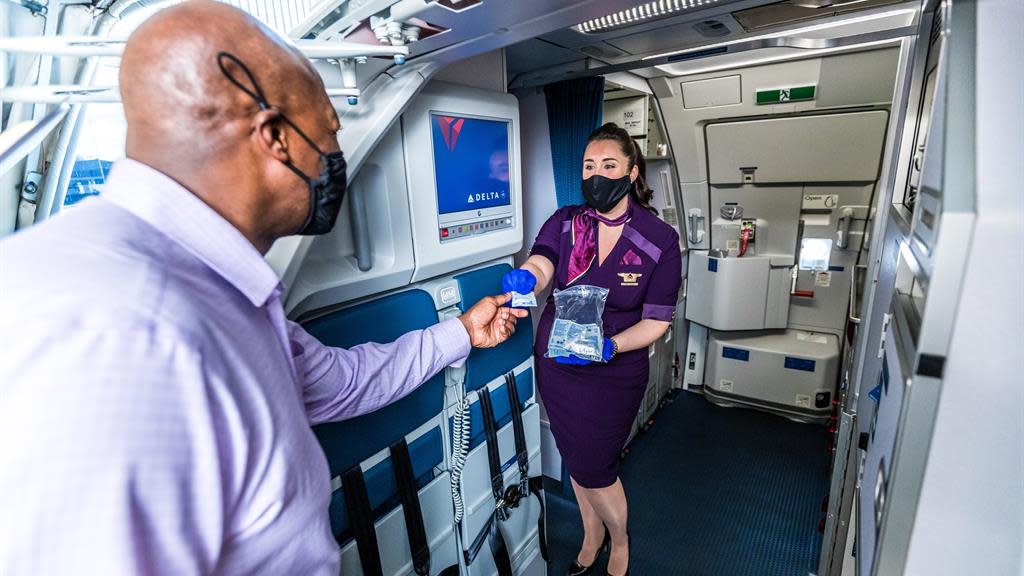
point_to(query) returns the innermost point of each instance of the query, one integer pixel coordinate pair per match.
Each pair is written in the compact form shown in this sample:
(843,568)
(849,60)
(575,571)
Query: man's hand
(489,323)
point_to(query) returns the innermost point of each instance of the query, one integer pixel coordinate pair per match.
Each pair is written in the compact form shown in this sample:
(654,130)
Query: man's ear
(270,135)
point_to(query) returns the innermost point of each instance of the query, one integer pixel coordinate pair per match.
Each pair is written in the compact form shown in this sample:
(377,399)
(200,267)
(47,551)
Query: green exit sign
(780,95)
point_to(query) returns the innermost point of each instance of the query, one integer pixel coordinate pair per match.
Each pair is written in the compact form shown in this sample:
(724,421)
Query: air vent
(711,29)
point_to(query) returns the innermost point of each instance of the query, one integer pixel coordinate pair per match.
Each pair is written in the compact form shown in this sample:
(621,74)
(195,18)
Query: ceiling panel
(672,37)
(535,53)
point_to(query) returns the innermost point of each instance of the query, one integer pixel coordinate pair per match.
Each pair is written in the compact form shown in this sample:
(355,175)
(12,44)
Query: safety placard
(811,337)
(823,279)
(780,95)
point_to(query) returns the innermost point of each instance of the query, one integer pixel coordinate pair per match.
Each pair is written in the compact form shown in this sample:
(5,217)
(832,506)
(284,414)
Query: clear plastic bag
(578,329)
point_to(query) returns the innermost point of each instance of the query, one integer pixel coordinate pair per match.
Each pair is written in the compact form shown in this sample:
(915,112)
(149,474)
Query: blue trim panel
(736,354)
(799,364)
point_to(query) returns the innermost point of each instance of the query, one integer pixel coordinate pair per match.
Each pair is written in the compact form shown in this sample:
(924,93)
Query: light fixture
(638,14)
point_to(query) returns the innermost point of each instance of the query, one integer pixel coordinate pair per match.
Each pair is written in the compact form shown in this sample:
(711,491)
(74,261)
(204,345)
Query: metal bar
(841,497)
(82,94)
(19,141)
(59,175)
(84,46)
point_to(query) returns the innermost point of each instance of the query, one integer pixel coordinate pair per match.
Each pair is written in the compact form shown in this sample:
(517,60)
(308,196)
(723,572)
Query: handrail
(361,237)
(85,46)
(19,141)
(85,94)
(854,315)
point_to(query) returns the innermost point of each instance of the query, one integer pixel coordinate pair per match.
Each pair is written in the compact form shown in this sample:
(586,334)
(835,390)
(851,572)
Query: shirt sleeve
(339,384)
(111,460)
(549,239)
(663,291)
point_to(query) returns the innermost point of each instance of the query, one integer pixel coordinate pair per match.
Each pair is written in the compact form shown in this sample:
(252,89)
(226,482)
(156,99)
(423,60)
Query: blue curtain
(574,110)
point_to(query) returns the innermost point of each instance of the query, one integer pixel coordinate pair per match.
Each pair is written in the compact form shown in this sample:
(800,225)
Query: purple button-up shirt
(155,404)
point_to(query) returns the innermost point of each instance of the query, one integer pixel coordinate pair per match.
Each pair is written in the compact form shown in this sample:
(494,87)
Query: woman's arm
(542,269)
(640,335)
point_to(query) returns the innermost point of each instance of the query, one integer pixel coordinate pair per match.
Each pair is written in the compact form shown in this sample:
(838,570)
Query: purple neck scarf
(584,238)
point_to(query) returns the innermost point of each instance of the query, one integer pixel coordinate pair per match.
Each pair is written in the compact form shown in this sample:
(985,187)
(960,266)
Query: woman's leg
(610,505)
(593,528)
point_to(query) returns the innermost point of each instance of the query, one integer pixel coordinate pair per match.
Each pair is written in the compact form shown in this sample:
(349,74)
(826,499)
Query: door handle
(843,227)
(695,225)
(854,314)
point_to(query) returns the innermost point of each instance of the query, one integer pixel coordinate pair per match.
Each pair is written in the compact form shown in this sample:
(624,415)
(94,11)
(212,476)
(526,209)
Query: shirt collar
(184,218)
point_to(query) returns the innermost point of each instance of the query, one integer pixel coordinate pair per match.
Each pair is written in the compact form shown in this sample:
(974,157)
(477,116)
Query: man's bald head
(174,91)
(188,120)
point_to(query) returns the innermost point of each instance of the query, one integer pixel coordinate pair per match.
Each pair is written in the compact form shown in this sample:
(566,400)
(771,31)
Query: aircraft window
(100,142)
(815,253)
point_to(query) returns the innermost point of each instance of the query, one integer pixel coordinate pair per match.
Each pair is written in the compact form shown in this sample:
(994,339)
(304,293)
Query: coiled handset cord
(460,451)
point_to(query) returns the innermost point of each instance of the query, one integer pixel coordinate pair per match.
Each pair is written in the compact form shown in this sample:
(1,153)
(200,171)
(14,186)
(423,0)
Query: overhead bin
(804,149)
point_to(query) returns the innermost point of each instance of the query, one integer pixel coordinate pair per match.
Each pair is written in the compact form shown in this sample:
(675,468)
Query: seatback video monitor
(471,174)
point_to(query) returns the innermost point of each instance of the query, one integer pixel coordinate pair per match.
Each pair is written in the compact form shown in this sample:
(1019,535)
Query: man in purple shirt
(155,403)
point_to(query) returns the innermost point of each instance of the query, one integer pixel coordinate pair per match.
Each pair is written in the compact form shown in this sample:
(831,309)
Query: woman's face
(605,158)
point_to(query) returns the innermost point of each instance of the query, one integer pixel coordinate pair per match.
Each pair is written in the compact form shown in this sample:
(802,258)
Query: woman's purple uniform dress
(592,407)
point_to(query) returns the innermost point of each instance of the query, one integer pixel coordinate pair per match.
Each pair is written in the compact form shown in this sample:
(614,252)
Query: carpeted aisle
(714,492)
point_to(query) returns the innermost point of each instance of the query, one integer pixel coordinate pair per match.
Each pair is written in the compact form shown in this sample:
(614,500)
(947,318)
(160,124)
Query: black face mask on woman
(327,190)
(602,194)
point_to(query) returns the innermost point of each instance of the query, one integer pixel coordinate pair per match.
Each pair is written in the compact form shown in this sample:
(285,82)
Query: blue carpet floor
(714,492)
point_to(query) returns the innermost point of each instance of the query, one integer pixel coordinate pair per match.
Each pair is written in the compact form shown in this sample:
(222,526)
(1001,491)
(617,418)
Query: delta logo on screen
(471,162)
(450,129)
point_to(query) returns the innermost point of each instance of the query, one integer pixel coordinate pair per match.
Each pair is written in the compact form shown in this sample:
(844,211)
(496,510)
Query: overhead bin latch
(748,173)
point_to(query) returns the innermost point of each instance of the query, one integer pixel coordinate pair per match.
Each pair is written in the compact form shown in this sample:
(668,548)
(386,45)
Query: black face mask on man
(602,194)
(327,190)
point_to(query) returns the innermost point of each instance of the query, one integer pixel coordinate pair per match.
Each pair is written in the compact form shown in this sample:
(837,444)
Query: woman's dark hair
(641,192)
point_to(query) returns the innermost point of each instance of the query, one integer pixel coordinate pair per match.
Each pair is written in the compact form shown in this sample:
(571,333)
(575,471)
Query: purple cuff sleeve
(455,342)
(545,251)
(658,312)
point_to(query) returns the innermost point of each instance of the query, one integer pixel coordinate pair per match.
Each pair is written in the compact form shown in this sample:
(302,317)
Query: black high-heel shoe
(577,570)
(630,551)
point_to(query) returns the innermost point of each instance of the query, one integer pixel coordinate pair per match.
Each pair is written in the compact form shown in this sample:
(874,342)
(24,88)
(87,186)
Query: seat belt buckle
(501,510)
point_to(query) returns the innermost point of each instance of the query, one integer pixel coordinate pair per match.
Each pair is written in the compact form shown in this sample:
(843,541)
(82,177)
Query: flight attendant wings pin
(630,278)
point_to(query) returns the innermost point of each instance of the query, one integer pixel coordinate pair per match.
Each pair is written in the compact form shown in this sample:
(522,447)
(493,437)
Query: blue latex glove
(521,281)
(609,348)
(606,354)
(571,359)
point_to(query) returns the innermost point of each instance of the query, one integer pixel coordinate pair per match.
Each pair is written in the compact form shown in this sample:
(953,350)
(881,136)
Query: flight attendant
(614,241)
